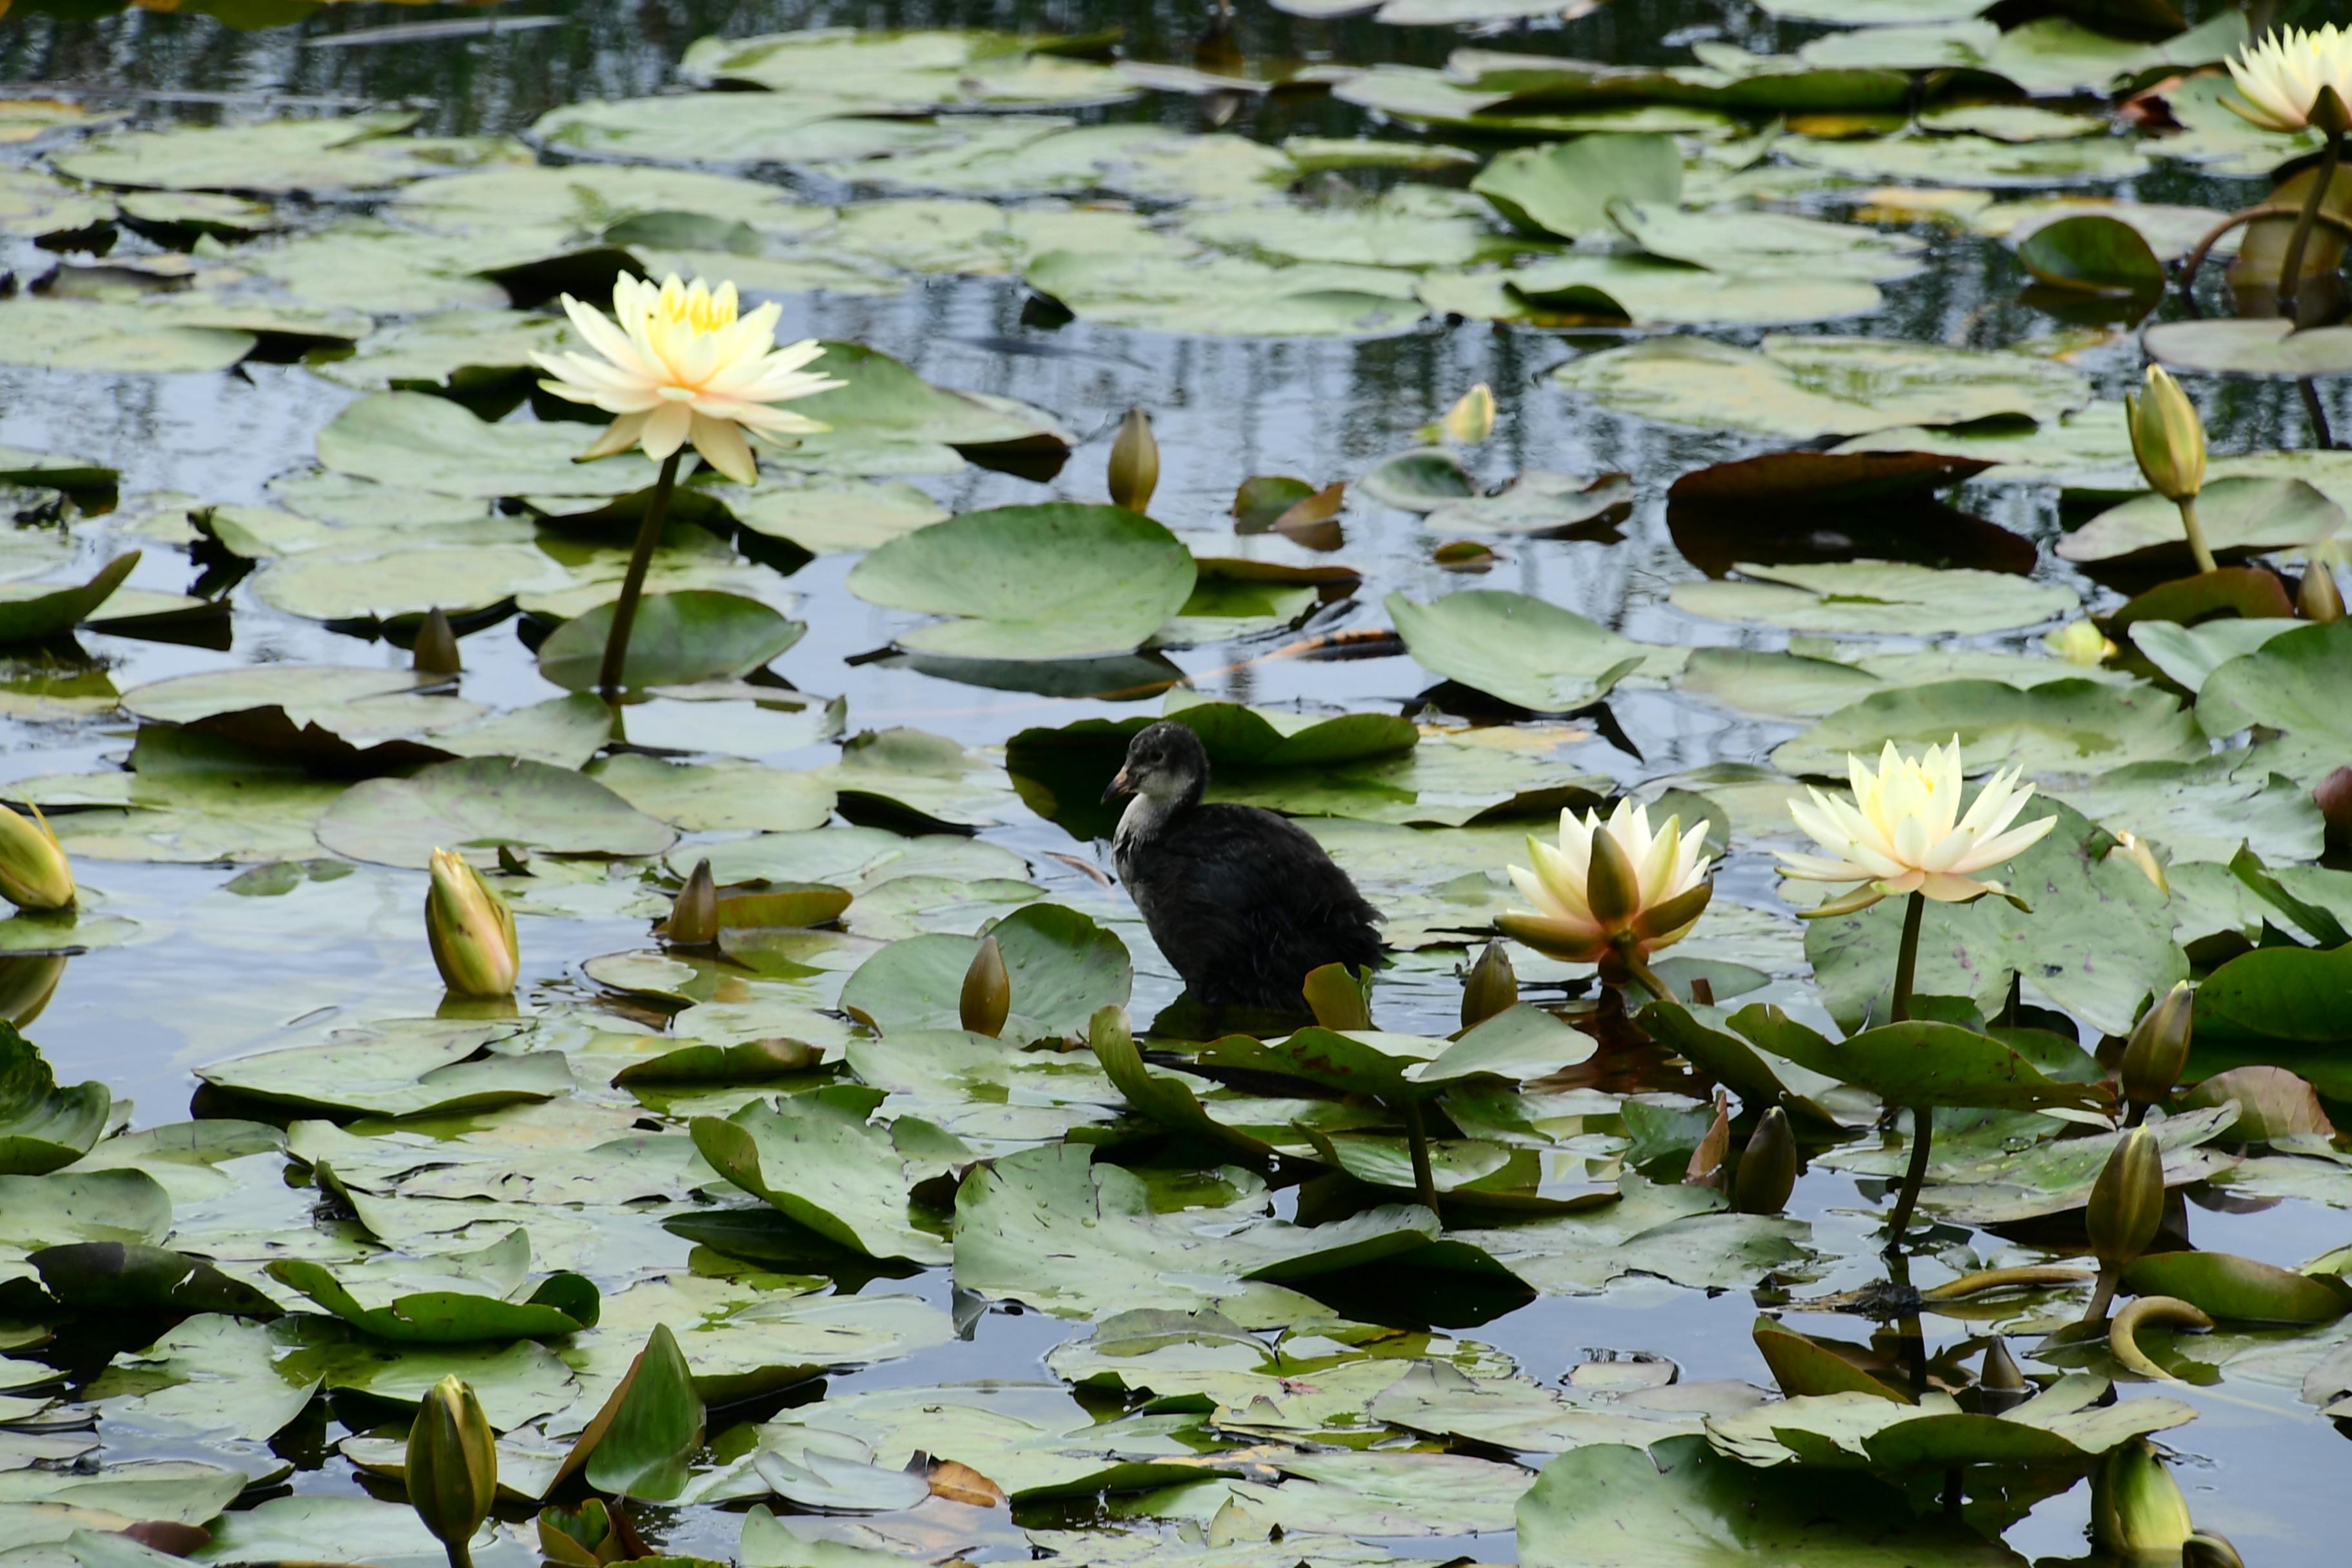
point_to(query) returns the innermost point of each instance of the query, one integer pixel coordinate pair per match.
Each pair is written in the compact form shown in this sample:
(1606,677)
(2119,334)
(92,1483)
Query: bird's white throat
(1142,818)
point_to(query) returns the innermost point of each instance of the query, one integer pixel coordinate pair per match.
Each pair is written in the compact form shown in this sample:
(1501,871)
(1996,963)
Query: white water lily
(1903,831)
(2280,79)
(1611,886)
(680,364)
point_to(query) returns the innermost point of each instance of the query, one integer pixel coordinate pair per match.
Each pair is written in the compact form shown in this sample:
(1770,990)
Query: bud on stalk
(34,871)
(1768,1169)
(2206,1550)
(987,999)
(2319,599)
(2125,1209)
(1492,987)
(452,1466)
(694,913)
(471,931)
(1134,462)
(2168,438)
(434,651)
(2158,1051)
(2000,1385)
(2137,1508)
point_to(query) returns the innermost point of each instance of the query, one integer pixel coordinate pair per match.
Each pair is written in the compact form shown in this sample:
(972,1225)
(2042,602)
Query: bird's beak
(1119,787)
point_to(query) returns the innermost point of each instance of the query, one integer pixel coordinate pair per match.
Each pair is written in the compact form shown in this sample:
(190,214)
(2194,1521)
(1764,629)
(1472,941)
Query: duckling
(1244,902)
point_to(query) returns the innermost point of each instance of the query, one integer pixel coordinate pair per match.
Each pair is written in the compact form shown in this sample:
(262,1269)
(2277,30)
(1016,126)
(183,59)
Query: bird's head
(1165,762)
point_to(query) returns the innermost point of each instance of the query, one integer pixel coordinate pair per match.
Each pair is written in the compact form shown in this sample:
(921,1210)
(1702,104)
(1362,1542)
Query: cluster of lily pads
(639,1214)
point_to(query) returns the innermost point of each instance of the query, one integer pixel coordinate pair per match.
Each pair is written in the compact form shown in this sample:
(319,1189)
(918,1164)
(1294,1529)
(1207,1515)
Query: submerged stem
(633,586)
(2291,268)
(1424,1180)
(2195,529)
(1915,1175)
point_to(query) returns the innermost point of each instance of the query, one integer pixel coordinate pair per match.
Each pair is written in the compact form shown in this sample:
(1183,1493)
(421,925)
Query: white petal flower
(1903,832)
(2279,79)
(679,365)
(1665,888)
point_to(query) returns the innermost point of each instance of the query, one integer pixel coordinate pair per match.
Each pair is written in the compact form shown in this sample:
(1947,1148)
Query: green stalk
(2196,532)
(2290,270)
(461,1554)
(633,586)
(1424,1180)
(1640,970)
(1923,1116)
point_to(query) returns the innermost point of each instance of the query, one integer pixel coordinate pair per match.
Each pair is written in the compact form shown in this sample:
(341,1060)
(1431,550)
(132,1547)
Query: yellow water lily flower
(1611,886)
(2281,77)
(1903,831)
(680,364)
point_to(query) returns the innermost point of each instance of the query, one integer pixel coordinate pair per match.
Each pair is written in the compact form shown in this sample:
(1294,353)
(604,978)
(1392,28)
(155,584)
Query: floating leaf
(1917,1063)
(1523,650)
(43,1127)
(1061,965)
(1851,597)
(818,1159)
(676,640)
(484,803)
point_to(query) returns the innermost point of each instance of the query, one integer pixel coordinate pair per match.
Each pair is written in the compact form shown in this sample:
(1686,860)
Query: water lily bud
(471,930)
(2334,798)
(2319,599)
(434,651)
(1768,1171)
(2126,1200)
(2159,1048)
(2207,1549)
(452,1465)
(1471,419)
(2329,114)
(1493,986)
(1705,1166)
(1612,887)
(694,914)
(2000,1385)
(987,997)
(2166,436)
(2137,1507)
(34,871)
(2080,642)
(1134,462)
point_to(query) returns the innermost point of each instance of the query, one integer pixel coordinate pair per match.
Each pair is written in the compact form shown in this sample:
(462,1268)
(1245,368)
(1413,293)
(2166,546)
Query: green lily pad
(42,1126)
(420,442)
(1056,581)
(716,796)
(49,334)
(831,519)
(2094,254)
(1419,480)
(912,71)
(399,1068)
(2288,683)
(2060,727)
(351,702)
(1765,245)
(1876,597)
(676,639)
(482,803)
(1825,679)
(278,157)
(1523,650)
(2065,1426)
(1917,1063)
(460,351)
(1516,1045)
(2238,1289)
(2188,655)
(1566,188)
(1062,966)
(2262,346)
(32,612)
(2237,515)
(127,1277)
(1159,289)
(818,1159)
(1805,387)
(426,1302)
(2204,810)
(66,1206)
(190,798)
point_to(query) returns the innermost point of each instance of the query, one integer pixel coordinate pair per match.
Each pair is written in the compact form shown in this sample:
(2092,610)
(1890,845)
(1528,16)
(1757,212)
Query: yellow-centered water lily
(471,931)
(1903,832)
(680,364)
(34,871)
(1610,888)
(2280,79)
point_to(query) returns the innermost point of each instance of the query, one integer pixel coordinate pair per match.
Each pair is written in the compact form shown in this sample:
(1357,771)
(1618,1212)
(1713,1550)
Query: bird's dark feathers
(1244,903)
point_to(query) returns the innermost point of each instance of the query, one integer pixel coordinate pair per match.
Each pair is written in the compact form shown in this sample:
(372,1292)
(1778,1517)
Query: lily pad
(1566,188)
(277,157)
(2237,515)
(43,1127)
(1876,596)
(419,442)
(483,804)
(818,1159)
(1061,964)
(400,1067)
(2061,727)
(1523,650)
(1805,387)
(1055,581)
(676,639)
(2260,346)
(1917,1063)
(2286,684)
(2093,253)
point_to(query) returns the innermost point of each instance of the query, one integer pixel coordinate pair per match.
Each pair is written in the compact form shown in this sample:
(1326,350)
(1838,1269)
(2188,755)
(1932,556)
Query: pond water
(210,971)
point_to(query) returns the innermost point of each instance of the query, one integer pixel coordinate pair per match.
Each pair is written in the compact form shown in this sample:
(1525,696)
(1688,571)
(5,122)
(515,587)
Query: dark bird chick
(1244,902)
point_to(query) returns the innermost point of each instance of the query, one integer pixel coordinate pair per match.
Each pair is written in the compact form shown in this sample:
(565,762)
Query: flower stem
(1424,1180)
(1907,959)
(460,1552)
(2195,529)
(2290,270)
(1923,1116)
(1641,972)
(632,585)
(2103,1296)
